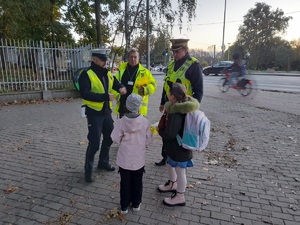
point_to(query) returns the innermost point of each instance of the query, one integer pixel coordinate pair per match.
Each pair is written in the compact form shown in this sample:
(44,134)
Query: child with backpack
(132,133)
(178,158)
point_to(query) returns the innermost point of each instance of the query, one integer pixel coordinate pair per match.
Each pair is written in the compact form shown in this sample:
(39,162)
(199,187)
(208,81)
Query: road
(281,99)
(283,83)
(267,82)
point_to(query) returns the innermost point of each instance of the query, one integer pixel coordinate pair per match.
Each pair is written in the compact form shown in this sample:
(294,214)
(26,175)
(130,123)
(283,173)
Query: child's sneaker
(123,212)
(136,209)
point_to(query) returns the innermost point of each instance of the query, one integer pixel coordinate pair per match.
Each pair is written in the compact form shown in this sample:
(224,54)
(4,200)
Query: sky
(206,29)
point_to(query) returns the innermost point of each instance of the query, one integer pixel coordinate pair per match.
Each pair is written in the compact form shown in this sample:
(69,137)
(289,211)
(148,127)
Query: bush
(204,64)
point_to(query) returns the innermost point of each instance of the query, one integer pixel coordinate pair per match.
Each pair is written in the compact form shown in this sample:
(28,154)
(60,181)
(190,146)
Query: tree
(295,62)
(20,19)
(258,33)
(81,15)
(158,48)
(283,57)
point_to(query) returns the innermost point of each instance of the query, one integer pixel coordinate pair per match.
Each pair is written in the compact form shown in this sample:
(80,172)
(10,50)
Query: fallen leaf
(10,189)
(82,143)
(293,207)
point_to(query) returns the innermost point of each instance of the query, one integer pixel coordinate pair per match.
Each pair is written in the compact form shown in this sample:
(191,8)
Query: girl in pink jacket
(132,133)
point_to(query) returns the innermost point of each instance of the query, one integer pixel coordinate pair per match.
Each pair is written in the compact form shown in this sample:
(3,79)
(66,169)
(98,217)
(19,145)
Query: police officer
(137,79)
(96,84)
(182,69)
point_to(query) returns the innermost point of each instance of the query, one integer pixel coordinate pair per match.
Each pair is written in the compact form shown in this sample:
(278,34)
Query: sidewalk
(249,174)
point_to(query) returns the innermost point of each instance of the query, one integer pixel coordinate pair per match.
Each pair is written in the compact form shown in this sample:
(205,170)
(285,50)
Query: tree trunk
(127,29)
(98,21)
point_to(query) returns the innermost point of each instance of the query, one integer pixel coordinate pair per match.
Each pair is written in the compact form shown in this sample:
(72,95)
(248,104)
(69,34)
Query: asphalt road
(278,82)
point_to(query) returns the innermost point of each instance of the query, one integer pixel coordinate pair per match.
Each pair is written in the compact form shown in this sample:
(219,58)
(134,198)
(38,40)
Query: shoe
(177,199)
(161,163)
(88,179)
(124,212)
(106,167)
(170,186)
(136,209)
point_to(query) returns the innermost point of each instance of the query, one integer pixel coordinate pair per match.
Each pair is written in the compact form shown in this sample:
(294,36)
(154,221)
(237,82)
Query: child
(178,158)
(132,133)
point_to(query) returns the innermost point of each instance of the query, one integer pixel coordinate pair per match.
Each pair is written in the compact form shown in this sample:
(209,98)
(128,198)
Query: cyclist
(237,69)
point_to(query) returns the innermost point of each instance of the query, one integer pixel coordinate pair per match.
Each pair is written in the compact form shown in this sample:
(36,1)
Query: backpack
(196,131)
(77,75)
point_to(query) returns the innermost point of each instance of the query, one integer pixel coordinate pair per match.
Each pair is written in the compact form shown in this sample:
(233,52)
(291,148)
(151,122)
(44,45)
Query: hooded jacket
(132,135)
(175,124)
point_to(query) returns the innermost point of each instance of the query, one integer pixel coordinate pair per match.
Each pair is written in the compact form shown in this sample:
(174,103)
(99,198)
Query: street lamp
(223,46)
(148,34)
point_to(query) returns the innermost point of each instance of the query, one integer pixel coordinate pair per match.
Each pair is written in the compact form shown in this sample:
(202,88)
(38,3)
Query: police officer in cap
(182,69)
(96,84)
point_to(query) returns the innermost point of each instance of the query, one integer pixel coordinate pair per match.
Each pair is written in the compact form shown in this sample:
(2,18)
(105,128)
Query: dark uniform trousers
(97,125)
(131,187)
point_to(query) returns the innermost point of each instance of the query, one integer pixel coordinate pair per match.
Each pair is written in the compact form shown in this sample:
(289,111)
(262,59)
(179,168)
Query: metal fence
(39,65)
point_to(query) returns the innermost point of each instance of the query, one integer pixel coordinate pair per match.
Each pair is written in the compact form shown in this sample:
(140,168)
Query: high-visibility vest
(172,76)
(97,87)
(149,89)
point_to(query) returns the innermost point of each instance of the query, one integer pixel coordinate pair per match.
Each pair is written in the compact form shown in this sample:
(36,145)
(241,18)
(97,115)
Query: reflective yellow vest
(149,88)
(97,87)
(179,74)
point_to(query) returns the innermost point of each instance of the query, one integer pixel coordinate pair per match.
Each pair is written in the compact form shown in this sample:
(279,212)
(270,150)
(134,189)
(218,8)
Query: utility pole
(98,22)
(223,46)
(228,51)
(214,53)
(148,34)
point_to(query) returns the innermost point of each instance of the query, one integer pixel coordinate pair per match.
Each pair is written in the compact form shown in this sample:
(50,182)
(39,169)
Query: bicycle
(244,86)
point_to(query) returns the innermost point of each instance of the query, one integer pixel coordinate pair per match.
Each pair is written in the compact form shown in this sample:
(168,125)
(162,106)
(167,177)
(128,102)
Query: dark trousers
(131,187)
(97,125)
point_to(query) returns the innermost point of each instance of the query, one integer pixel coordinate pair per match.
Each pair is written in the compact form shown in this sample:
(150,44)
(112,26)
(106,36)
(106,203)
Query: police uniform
(187,71)
(95,84)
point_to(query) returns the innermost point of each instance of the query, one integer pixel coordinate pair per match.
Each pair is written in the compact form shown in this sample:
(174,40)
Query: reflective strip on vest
(144,105)
(172,76)
(97,87)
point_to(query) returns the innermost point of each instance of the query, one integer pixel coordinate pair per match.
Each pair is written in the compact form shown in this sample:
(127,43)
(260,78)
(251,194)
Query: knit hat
(133,103)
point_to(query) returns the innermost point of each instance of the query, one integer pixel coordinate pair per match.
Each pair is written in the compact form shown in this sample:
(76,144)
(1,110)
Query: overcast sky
(207,28)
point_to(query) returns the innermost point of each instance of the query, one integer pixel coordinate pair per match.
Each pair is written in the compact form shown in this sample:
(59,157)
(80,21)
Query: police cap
(101,53)
(178,43)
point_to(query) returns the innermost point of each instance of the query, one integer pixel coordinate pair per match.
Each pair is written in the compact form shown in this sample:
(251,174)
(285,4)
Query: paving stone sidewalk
(248,175)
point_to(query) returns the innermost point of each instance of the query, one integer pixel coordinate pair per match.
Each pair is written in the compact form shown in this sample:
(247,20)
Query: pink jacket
(132,135)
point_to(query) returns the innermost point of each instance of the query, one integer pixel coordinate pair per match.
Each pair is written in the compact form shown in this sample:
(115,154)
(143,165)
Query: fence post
(43,64)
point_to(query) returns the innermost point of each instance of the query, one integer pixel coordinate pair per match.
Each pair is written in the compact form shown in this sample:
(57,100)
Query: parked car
(217,68)
(158,68)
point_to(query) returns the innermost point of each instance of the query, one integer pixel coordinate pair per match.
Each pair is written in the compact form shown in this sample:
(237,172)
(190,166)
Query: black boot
(88,178)
(161,163)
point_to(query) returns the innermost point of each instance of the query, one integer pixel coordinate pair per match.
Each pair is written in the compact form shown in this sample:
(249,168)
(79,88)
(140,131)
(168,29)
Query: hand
(123,90)
(111,97)
(141,91)
(161,108)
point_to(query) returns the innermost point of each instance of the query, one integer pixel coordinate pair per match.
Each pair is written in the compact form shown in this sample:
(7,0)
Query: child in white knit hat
(132,133)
